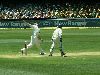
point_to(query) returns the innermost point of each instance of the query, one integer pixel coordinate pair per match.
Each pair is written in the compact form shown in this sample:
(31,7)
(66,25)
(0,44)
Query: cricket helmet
(59,25)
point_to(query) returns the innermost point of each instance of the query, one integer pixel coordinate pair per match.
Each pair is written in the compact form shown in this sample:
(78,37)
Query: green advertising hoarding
(90,22)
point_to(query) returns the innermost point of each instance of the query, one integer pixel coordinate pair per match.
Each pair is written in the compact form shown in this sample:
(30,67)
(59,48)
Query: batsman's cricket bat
(26,22)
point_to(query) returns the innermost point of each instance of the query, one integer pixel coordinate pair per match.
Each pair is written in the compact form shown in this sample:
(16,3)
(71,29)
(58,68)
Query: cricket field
(82,47)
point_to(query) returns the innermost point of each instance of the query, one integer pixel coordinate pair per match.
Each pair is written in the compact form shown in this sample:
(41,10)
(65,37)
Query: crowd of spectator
(50,11)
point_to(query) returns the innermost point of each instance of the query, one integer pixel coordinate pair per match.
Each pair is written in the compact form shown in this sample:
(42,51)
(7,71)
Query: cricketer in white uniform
(57,35)
(35,39)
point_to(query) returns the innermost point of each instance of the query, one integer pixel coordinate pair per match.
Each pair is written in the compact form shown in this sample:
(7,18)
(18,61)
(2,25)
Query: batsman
(35,39)
(57,36)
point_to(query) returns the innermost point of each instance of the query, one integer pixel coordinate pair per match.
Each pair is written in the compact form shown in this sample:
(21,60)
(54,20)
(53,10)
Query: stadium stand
(65,10)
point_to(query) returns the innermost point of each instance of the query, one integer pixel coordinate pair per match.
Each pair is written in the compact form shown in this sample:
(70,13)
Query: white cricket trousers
(52,45)
(55,41)
(35,41)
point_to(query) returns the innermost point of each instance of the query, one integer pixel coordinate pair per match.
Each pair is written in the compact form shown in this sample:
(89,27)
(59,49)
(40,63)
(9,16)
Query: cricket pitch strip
(54,55)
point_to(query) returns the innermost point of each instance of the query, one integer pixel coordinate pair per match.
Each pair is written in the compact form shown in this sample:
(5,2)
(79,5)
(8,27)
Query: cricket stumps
(25,47)
(24,50)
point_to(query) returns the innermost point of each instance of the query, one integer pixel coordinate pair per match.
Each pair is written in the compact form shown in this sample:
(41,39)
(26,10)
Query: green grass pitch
(82,46)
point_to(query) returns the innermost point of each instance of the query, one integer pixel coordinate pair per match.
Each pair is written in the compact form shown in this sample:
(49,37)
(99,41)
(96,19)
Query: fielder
(35,40)
(57,35)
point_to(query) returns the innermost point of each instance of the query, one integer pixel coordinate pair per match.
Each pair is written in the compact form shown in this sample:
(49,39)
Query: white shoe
(42,53)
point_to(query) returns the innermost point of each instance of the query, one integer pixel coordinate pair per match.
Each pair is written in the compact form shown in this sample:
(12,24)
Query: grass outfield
(81,45)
